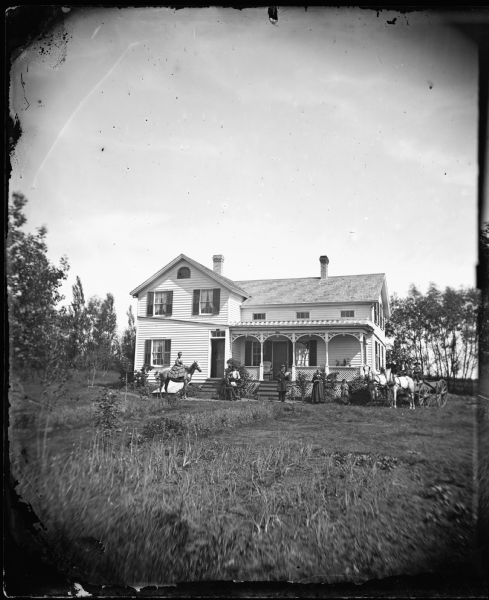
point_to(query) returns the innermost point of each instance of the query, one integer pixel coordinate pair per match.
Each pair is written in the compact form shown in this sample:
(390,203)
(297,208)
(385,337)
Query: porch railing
(348,373)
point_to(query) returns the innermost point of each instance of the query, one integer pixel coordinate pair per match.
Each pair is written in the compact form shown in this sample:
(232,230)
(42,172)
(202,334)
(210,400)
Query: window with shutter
(206,302)
(163,303)
(161,352)
(147,352)
(149,304)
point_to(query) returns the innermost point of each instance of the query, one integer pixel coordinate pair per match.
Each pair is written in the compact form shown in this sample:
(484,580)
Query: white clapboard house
(335,323)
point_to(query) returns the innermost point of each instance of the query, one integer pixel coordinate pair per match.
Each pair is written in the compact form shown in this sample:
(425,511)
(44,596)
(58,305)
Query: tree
(128,340)
(437,329)
(33,282)
(101,339)
(78,326)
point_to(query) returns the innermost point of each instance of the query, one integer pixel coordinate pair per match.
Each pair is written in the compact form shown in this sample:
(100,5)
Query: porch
(302,351)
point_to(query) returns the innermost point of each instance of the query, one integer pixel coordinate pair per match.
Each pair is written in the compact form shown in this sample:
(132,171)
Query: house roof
(228,283)
(307,290)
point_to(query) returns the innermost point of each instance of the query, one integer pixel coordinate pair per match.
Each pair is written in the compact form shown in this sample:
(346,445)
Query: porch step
(211,385)
(267,390)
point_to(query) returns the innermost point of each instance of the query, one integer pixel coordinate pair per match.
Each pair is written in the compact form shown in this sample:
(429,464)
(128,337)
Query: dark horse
(164,378)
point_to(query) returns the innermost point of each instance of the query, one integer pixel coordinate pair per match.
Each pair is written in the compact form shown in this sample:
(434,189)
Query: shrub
(301,385)
(358,390)
(107,411)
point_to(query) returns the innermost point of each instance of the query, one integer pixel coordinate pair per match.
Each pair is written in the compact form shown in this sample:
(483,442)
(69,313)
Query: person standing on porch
(317,387)
(282,378)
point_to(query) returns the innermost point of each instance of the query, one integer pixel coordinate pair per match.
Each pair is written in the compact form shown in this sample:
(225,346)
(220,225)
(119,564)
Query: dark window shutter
(216,300)
(147,352)
(167,356)
(248,357)
(195,305)
(313,353)
(150,302)
(169,303)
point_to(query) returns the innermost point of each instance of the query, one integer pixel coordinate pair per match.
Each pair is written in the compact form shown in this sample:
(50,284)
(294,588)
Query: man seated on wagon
(417,372)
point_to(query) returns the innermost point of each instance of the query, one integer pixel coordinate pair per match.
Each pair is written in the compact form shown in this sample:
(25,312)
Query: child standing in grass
(345,392)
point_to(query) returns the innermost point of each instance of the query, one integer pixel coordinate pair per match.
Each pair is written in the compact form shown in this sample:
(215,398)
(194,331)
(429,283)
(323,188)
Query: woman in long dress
(317,387)
(178,370)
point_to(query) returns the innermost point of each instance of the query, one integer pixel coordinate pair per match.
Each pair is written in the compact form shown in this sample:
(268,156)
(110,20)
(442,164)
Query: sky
(150,132)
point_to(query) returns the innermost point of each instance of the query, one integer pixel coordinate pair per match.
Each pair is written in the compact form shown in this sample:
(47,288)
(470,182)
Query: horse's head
(195,367)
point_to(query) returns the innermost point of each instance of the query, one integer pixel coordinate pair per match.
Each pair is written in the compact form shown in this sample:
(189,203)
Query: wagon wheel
(423,394)
(441,393)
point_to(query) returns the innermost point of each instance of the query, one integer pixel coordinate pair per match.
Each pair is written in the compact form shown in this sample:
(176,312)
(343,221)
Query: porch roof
(307,290)
(302,323)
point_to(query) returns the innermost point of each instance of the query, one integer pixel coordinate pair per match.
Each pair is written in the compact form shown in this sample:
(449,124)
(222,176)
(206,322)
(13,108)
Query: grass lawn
(248,491)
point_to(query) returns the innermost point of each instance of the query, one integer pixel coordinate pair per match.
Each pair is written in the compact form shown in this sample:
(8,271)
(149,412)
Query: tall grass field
(134,491)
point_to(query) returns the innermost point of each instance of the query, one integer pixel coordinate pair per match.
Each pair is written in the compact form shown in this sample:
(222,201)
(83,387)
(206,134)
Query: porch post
(228,346)
(326,366)
(261,357)
(293,358)
(362,358)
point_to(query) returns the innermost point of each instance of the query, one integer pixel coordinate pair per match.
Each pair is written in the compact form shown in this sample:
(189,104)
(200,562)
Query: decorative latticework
(348,373)
(254,373)
(307,371)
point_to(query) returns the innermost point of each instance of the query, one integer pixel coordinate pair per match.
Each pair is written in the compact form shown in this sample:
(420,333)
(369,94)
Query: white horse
(400,382)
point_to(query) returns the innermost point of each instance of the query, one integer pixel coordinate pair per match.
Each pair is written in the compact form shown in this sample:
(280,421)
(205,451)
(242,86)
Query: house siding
(288,313)
(234,307)
(183,295)
(192,339)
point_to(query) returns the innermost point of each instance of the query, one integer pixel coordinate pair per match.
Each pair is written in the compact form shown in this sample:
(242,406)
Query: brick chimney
(324,260)
(218,259)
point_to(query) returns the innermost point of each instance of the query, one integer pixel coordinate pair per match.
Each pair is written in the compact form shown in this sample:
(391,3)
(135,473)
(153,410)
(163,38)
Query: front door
(217,358)
(279,356)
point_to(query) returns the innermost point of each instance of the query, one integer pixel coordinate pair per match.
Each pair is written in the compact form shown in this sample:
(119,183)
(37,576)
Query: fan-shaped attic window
(183,273)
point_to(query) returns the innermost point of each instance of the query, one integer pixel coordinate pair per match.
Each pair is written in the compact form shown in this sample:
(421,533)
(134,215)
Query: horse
(400,382)
(375,382)
(164,378)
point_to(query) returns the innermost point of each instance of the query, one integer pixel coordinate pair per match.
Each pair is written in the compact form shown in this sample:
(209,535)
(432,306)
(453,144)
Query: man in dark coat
(282,378)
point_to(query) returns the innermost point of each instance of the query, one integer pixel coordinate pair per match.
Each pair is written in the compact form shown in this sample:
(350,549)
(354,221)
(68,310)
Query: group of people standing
(318,381)
(232,380)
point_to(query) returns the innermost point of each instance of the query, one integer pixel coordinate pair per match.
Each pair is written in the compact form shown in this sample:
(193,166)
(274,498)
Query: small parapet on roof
(305,290)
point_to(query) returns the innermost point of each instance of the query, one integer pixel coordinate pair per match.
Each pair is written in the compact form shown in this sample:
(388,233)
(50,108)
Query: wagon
(433,393)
